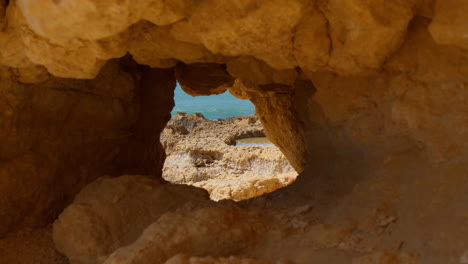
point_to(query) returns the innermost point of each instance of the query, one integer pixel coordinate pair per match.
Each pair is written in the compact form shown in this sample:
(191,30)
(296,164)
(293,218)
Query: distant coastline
(212,107)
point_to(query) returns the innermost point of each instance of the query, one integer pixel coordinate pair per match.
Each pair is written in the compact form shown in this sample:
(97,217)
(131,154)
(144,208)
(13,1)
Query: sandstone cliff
(366,99)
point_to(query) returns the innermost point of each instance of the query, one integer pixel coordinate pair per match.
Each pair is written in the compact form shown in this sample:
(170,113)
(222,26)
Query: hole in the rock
(217,143)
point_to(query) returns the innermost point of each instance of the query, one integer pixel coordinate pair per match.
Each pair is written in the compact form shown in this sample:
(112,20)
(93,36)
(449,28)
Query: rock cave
(367,100)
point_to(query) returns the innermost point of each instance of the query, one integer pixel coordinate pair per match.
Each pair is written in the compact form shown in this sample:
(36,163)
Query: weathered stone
(61,134)
(197,234)
(184,259)
(235,28)
(111,213)
(203,79)
(312,43)
(205,155)
(255,71)
(275,107)
(450,24)
(363,33)
(154,46)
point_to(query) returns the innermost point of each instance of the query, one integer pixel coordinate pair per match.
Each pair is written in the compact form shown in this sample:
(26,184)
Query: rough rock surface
(276,109)
(215,79)
(278,227)
(60,134)
(184,259)
(366,99)
(313,35)
(198,233)
(30,246)
(100,225)
(110,213)
(202,153)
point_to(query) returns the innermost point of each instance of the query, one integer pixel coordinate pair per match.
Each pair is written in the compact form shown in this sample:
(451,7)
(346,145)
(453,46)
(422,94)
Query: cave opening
(218,143)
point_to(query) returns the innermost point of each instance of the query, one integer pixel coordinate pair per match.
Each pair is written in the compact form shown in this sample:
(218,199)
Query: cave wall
(420,95)
(390,147)
(59,134)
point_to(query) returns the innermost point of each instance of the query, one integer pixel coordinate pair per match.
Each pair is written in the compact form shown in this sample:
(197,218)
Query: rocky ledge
(203,153)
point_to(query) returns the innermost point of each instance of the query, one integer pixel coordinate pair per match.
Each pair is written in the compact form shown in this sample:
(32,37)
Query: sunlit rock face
(203,153)
(75,38)
(366,99)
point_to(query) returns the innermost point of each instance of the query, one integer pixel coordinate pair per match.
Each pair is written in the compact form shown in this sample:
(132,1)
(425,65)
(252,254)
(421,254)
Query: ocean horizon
(213,106)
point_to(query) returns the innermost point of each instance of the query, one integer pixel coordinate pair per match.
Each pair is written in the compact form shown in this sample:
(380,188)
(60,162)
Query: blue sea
(213,106)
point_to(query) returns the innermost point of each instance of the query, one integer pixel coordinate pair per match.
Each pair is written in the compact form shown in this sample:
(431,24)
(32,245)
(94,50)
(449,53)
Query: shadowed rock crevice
(144,153)
(65,133)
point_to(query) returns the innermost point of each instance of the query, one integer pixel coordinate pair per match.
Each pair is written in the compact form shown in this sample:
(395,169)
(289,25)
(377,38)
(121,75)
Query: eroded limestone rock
(111,213)
(276,109)
(203,153)
(60,134)
(184,259)
(203,78)
(282,232)
(73,39)
(202,232)
(51,143)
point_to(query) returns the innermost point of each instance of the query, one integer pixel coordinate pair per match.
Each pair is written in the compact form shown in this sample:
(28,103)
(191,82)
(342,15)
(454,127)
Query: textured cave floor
(30,246)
